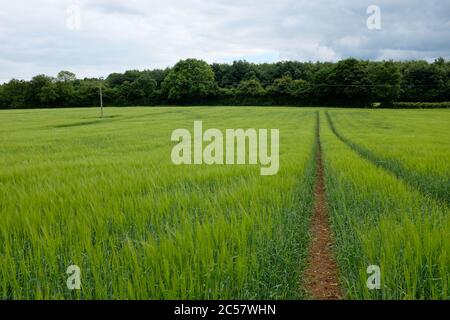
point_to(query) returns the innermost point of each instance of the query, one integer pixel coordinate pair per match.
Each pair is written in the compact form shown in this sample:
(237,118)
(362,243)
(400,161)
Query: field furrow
(321,275)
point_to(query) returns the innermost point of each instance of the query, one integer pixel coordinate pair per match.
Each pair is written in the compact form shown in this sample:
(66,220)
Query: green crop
(412,144)
(378,219)
(103,194)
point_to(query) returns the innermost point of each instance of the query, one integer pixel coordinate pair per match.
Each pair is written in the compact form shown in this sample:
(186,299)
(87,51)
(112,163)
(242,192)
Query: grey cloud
(118,35)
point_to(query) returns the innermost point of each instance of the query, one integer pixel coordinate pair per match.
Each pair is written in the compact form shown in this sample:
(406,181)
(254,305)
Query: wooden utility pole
(101,101)
(101,98)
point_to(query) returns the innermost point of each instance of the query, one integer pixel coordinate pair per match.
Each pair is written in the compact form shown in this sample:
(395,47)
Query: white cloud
(118,35)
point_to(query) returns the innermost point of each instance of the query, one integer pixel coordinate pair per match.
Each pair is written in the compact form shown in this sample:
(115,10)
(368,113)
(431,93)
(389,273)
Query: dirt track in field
(321,273)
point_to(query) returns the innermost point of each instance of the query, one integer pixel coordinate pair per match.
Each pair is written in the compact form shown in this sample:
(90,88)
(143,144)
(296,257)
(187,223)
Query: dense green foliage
(348,82)
(421,105)
(189,81)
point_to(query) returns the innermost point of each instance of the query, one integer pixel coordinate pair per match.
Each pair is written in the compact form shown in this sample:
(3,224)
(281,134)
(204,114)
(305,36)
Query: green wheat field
(103,194)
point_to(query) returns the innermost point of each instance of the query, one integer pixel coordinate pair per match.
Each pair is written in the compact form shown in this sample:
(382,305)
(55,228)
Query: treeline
(348,82)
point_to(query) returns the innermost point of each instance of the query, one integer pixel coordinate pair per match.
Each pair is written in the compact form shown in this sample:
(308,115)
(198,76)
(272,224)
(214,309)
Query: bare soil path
(321,273)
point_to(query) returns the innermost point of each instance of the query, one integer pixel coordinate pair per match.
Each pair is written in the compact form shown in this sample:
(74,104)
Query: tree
(125,94)
(221,70)
(66,76)
(351,82)
(86,93)
(301,91)
(34,89)
(423,81)
(250,88)
(287,91)
(13,94)
(441,80)
(115,79)
(65,88)
(189,81)
(281,90)
(2,97)
(142,90)
(323,89)
(267,73)
(48,95)
(281,87)
(385,79)
(348,82)
(296,70)
(158,75)
(238,72)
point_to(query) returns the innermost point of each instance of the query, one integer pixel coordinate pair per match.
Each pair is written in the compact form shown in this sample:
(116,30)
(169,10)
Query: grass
(104,195)
(378,219)
(414,145)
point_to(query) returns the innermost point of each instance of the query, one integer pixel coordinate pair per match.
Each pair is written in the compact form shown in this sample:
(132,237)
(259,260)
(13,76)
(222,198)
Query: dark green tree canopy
(189,80)
(250,88)
(385,78)
(345,83)
(66,76)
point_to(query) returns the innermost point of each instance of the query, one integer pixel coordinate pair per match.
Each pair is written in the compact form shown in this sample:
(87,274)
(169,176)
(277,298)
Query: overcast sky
(97,37)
